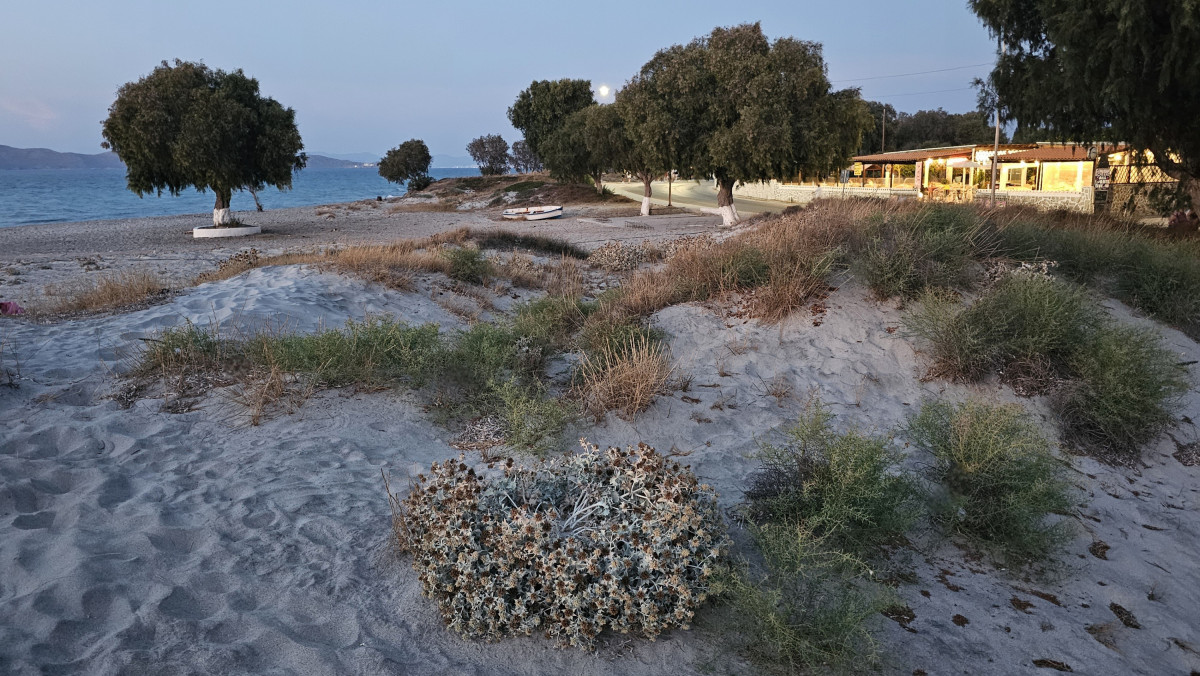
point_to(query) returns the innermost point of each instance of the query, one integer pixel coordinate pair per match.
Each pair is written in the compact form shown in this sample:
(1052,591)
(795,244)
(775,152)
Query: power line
(936,91)
(923,72)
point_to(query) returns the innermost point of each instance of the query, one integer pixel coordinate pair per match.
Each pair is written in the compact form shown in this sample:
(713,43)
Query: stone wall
(1126,199)
(803,194)
(1040,199)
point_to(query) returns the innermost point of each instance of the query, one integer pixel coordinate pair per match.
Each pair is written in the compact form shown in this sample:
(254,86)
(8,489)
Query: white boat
(533,213)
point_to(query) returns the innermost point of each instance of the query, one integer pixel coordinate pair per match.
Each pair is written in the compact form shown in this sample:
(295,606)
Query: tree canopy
(925,129)
(523,159)
(185,125)
(747,109)
(648,148)
(1120,70)
(545,105)
(490,153)
(585,145)
(408,162)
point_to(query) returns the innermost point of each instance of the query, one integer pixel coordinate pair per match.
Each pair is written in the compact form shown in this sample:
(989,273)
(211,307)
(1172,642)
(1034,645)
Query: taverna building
(1075,177)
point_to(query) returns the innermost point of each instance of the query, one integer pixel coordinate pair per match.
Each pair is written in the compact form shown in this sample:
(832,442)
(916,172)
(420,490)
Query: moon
(603,91)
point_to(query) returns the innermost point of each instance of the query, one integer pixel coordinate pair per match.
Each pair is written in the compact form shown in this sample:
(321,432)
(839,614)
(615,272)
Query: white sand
(137,541)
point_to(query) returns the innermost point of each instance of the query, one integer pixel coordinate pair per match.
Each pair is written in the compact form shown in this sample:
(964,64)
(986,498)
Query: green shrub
(1163,281)
(933,247)
(467,264)
(840,486)
(1000,475)
(1024,316)
(523,186)
(1081,255)
(504,239)
(419,182)
(1127,385)
(480,357)
(549,320)
(744,267)
(622,540)
(533,419)
(810,607)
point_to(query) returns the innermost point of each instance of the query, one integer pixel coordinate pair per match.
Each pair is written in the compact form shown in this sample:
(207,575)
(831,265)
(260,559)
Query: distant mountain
(453,162)
(44,158)
(350,157)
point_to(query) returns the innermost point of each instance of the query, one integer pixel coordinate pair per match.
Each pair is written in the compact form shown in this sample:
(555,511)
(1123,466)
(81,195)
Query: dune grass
(103,292)
(1003,483)
(1115,386)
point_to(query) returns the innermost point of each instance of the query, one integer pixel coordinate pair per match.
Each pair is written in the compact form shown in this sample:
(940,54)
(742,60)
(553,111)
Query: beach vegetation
(623,375)
(903,254)
(490,153)
(1115,386)
(467,264)
(571,547)
(107,291)
(819,509)
(1003,485)
(409,162)
(186,125)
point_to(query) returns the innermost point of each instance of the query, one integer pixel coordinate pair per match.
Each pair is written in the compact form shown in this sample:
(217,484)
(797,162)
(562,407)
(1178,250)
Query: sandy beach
(139,541)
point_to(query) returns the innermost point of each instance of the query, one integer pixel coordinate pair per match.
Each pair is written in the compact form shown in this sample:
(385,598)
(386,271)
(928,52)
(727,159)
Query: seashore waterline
(35,196)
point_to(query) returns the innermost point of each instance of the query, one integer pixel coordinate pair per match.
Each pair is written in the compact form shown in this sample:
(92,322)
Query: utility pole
(883,141)
(996,147)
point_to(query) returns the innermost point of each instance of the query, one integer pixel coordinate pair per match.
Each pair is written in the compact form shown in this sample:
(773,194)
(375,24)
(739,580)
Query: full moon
(603,90)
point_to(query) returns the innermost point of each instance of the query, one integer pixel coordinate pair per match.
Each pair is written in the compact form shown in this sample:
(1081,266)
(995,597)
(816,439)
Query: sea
(32,196)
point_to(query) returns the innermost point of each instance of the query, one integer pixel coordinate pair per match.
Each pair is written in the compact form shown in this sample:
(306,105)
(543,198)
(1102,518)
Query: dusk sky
(364,76)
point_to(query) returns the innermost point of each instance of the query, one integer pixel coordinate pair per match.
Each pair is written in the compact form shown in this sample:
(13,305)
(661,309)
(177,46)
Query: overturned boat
(533,213)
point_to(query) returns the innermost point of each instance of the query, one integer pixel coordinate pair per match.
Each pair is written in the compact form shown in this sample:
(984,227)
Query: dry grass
(104,292)
(423,206)
(625,379)
(565,280)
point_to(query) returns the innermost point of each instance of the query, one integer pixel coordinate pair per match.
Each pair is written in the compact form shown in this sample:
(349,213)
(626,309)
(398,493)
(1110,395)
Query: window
(1066,176)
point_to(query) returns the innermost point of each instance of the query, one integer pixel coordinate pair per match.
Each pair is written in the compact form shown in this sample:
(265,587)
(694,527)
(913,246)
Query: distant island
(44,158)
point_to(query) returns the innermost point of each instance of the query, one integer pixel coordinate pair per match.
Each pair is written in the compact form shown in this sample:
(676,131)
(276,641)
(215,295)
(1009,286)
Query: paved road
(698,194)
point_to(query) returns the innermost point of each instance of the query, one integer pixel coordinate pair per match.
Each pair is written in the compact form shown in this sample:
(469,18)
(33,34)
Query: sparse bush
(903,254)
(504,239)
(839,486)
(105,292)
(549,321)
(467,264)
(1002,480)
(621,540)
(1163,281)
(1127,385)
(534,420)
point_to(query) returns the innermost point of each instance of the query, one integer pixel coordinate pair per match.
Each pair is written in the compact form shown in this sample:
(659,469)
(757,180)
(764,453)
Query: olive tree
(185,125)
(1121,70)
(408,162)
(490,154)
(746,109)
(545,105)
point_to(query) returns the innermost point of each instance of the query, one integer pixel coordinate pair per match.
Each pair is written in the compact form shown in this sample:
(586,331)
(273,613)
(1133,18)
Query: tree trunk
(647,192)
(221,209)
(670,186)
(729,214)
(598,179)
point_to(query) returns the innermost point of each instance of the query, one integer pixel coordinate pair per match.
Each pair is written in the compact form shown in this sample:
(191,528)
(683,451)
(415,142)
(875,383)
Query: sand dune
(136,541)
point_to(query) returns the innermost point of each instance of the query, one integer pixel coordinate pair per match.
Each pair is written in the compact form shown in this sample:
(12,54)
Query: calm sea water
(58,195)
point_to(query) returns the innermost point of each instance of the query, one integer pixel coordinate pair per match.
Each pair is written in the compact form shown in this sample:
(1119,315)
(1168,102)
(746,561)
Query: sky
(366,75)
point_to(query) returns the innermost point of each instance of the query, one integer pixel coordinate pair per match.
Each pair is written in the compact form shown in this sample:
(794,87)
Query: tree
(751,110)
(647,150)
(925,129)
(408,162)
(583,145)
(185,125)
(1122,70)
(523,159)
(545,105)
(490,153)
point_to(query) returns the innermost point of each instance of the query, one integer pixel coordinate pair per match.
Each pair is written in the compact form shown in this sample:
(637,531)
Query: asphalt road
(698,194)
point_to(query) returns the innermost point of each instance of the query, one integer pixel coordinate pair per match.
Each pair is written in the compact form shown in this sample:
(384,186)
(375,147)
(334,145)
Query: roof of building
(1054,153)
(917,155)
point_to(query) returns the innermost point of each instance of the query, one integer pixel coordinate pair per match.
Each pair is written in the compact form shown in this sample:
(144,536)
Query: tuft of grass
(1127,385)
(903,254)
(1001,478)
(625,378)
(534,420)
(506,239)
(1022,317)
(549,321)
(105,292)
(467,264)
(841,486)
